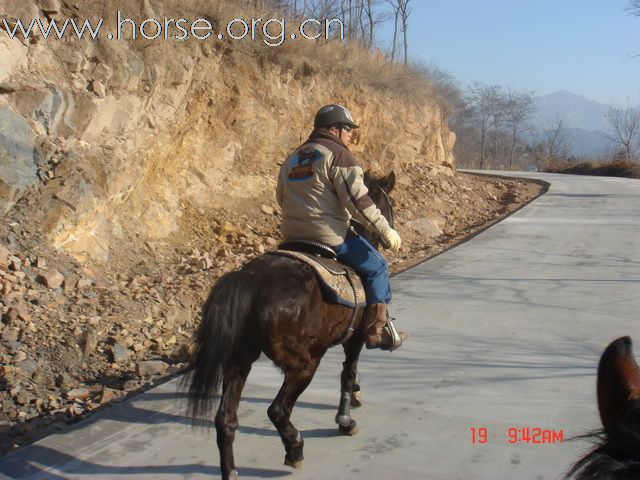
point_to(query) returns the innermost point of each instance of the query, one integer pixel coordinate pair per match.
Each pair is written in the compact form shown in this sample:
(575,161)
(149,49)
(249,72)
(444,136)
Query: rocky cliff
(123,138)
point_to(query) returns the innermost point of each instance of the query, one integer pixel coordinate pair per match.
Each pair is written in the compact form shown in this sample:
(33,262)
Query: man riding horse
(320,188)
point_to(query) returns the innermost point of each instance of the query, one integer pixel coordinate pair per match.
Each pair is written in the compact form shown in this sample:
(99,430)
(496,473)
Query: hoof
(297,464)
(351,430)
(233,475)
(356,399)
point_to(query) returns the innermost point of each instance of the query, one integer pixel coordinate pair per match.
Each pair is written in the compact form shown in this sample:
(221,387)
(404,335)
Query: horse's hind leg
(227,417)
(356,393)
(279,412)
(348,381)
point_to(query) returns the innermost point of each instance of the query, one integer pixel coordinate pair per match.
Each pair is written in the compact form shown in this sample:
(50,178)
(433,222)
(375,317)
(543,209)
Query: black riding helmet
(334,115)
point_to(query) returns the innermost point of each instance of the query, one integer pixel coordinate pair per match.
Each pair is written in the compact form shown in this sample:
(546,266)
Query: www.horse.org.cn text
(272,32)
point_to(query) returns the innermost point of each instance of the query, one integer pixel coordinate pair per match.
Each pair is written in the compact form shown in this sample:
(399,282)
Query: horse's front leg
(352,349)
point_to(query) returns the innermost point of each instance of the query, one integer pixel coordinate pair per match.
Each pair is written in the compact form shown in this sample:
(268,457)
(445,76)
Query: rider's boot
(380,331)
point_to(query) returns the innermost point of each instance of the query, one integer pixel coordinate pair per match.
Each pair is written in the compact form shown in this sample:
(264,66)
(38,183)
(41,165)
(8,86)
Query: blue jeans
(372,267)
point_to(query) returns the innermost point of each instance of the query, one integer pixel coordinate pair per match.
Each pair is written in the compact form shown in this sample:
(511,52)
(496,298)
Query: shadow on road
(48,463)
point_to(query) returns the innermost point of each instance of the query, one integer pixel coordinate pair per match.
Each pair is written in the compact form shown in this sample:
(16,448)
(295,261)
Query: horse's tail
(225,315)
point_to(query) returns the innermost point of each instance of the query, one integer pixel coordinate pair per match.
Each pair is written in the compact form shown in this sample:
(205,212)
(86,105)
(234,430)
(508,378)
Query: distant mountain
(576,111)
(583,121)
(585,143)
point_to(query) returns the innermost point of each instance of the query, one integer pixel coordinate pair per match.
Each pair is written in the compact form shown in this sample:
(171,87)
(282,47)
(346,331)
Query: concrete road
(505,333)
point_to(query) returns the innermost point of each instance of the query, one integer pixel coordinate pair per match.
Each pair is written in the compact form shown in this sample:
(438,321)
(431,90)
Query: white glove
(393,240)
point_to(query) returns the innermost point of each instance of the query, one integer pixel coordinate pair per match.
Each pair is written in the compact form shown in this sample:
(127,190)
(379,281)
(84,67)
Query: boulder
(53,279)
(102,73)
(98,88)
(4,256)
(13,56)
(426,226)
(89,342)
(151,367)
(109,394)
(120,353)
(18,9)
(18,169)
(50,110)
(49,7)
(78,394)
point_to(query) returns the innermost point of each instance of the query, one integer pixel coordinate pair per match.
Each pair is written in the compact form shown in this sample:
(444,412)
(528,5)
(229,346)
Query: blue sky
(584,46)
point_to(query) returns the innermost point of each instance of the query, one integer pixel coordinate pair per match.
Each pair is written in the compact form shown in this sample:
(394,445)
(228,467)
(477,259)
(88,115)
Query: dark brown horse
(273,305)
(616,455)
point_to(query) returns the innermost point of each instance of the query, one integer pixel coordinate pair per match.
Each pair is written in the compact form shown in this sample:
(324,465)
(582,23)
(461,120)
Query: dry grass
(617,168)
(354,62)
(360,64)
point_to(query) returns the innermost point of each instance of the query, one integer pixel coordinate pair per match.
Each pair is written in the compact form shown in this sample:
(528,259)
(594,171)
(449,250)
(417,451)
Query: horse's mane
(616,451)
(611,458)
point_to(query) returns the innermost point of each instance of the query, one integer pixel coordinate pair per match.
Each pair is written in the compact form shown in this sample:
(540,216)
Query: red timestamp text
(516,435)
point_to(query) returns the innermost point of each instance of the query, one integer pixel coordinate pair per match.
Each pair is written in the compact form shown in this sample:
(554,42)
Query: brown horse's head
(619,394)
(617,453)
(379,190)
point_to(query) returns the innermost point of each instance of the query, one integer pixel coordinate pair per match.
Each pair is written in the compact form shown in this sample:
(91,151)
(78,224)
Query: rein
(389,205)
(389,210)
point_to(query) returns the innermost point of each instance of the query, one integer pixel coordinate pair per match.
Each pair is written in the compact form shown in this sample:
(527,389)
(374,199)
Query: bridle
(389,209)
(361,230)
(388,202)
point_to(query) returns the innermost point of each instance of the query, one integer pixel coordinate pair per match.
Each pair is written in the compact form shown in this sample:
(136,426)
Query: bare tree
(625,127)
(518,109)
(360,20)
(396,18)
(633,7)
(344,13)
(401,13)
(311,8)
(484,102)
(373,16)
(480,109)
(320,8)
(368,18)
(497,104)
(404,15)
(359,16)
(555,147)
(353,32)
(368,8)
(461,121)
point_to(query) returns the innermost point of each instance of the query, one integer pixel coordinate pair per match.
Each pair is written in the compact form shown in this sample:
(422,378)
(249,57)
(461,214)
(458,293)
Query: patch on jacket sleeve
(302,164)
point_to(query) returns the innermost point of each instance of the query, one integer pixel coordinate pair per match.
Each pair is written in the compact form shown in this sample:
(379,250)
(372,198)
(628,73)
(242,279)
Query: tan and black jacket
(320,187)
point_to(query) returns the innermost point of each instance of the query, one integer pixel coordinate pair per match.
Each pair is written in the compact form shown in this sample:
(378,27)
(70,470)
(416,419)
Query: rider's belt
(310,247)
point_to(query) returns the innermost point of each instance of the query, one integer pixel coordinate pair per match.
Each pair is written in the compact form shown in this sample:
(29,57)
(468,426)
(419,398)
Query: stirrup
(392,332)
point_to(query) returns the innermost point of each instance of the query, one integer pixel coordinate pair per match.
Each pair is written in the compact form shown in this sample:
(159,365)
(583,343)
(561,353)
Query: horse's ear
(618,382)
(388,182)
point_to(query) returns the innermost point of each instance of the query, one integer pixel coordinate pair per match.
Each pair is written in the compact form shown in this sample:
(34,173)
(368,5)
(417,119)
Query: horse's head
(619,395)
(617,455)
(379,190)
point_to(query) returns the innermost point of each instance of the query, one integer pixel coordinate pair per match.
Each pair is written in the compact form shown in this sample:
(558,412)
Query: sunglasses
(347,128)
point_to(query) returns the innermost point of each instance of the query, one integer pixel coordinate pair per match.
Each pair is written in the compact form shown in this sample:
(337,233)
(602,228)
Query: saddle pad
(333,278)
